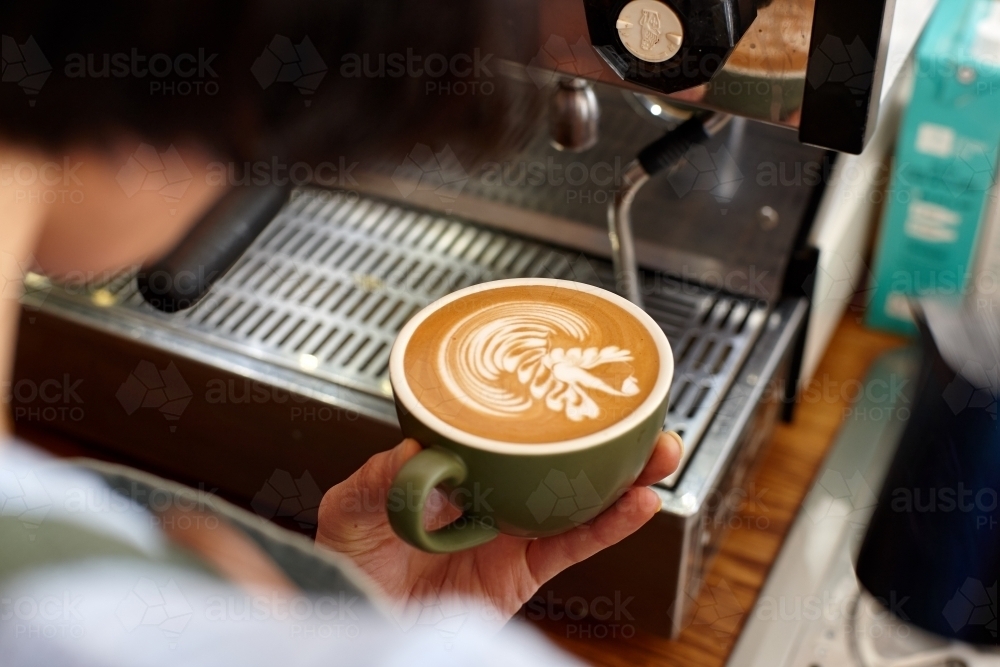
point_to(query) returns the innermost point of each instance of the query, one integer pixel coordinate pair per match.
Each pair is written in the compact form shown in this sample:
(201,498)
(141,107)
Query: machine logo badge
(650,30)
(650,22)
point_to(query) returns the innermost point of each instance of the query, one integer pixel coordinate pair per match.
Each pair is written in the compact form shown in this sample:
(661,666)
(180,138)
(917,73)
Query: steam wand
(661,155)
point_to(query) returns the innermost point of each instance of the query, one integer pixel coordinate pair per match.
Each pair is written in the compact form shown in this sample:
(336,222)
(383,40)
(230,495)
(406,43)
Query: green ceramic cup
(526,490)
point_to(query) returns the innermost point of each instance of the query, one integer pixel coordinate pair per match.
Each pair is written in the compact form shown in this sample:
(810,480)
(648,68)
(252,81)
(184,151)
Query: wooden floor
(739,570)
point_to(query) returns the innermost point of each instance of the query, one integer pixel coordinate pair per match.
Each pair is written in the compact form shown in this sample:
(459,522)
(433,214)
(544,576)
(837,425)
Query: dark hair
(250,99)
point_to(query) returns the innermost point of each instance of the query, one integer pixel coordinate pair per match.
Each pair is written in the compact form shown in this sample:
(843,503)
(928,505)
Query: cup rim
(403,393)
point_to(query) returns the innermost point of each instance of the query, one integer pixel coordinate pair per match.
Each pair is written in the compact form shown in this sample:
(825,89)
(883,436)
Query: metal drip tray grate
(330,282)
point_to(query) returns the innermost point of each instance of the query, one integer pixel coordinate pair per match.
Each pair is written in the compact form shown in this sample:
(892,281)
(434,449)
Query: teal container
(944,165)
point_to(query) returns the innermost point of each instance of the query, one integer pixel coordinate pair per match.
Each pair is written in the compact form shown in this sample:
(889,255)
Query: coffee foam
(531,363)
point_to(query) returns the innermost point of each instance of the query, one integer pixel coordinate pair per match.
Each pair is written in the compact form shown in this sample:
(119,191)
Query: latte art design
(483,351)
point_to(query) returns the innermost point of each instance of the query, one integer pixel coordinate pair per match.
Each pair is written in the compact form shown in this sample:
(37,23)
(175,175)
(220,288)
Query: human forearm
(20,225)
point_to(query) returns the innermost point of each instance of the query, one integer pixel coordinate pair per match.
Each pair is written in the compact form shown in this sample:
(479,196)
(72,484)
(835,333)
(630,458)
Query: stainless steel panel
(765,76)
(327,286)
(727,217)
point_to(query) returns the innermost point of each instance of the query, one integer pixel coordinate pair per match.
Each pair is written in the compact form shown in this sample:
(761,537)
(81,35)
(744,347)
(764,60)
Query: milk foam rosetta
(531,363)
(517,339)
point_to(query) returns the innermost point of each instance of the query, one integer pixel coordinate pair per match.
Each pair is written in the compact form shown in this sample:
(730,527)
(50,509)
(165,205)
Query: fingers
(664,460)
(361,497)
(384,470)
(378,472)
(549,556)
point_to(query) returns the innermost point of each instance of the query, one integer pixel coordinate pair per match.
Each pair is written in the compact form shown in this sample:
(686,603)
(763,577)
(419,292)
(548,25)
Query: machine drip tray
(276,384)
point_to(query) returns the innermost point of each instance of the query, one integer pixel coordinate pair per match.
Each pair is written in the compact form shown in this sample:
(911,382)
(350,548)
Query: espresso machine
(685,158)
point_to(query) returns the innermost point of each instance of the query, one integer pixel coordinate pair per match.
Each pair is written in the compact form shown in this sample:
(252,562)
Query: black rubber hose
(181,278)
(668,150)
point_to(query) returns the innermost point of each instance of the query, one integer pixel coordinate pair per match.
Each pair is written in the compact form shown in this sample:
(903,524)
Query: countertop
(757,531)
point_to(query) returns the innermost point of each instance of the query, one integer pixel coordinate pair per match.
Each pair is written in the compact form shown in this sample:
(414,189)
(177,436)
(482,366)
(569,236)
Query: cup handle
(413,484)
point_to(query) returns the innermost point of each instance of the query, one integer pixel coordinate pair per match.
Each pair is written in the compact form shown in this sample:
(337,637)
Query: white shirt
(111,611)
